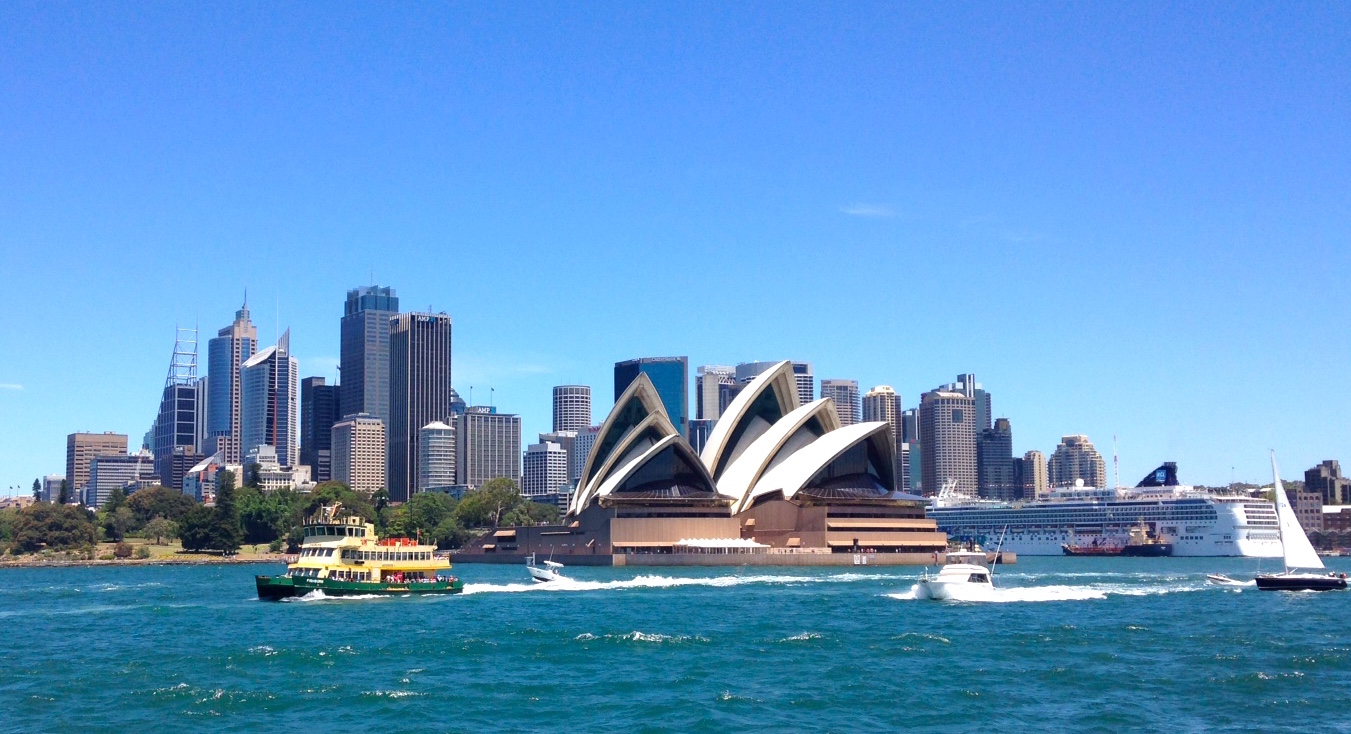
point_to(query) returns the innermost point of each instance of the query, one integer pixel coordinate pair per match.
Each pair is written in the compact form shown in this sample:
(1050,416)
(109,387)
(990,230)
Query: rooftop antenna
(471,394)
(1116,463)
(491,392)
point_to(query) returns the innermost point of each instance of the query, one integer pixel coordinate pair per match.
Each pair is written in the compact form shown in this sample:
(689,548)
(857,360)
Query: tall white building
(706,381)
(1076,458)
(487,446)
(1034,474)
(436,456)
(270,402)
(359,452)
(572,407)
(107,473)
(544,469)
(586,438)
(846,397)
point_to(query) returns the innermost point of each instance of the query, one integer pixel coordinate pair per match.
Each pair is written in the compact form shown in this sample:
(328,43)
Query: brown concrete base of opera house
(727,559)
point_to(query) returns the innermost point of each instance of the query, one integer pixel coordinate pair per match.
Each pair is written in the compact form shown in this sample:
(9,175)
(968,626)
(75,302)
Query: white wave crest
(664,582)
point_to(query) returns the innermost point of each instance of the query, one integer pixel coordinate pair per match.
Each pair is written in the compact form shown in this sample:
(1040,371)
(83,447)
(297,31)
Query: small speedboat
(964,577)
(1222,580)
(550,571)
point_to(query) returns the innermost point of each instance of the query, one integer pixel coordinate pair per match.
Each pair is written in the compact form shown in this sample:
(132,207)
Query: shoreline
(137,562)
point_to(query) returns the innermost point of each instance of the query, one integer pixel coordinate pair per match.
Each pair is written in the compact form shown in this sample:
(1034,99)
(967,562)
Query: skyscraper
(706,381)
(1034,475)
(802,376)
(994,462)
(358,446)
(270,402)
(1326,479)
(364,352)
(319,410)
(544,469)
(883,404)
(487,446)
(967,385)
(586,438)
(419,391)
(913,458)
(82,448)
(947,442)
(435,456)
(572,407)
(125,472)
(201,437)
(226,354)
(175,431)
(846,396)
(1074,459)
(568,441)
(670,375)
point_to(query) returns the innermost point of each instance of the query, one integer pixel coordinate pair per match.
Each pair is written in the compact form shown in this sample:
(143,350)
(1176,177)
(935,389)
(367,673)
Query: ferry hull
(276,588)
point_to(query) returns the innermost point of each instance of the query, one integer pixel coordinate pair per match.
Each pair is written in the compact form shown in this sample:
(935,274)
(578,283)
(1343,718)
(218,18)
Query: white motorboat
(550,571)
(964,577)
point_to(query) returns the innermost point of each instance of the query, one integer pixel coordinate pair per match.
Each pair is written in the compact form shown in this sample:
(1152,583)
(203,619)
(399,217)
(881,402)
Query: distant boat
(550,572)
(1298,551)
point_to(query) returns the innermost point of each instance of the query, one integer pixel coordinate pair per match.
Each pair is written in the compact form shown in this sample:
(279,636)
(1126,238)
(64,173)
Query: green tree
(265,517)
(117,522)
(421,514)
(160,528)
(64,497)
(196,528)
(327,493)
(225,530)
(116,499)
(7,519)
(58,527)
(159,502)
(37,490)
(487,505)
(251,475)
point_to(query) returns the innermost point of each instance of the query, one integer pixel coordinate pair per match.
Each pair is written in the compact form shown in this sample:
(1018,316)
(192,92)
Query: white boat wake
(1054,592)
(1013,594)
(664,582)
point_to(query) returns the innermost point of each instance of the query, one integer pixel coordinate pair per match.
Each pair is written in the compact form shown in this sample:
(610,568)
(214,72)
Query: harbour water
(1081,644)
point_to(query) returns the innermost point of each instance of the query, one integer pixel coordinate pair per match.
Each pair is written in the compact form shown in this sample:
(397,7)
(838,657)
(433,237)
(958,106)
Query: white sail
(1299,552)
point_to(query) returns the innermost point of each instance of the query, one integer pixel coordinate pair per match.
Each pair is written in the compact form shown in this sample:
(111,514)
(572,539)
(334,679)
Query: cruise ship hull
(1194,526)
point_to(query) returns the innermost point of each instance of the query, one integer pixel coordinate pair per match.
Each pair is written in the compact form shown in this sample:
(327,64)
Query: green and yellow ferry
(342,556)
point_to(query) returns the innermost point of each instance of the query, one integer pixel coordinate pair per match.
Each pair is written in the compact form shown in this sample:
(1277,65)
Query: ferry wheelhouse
(341,555)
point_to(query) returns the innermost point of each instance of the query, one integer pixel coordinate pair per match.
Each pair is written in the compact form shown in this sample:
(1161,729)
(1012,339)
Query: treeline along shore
(160,526)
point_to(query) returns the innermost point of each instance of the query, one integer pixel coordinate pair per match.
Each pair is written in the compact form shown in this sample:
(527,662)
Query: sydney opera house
(775,478)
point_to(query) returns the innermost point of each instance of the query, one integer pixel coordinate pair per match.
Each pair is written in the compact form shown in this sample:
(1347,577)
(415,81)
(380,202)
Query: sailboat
(1299,552)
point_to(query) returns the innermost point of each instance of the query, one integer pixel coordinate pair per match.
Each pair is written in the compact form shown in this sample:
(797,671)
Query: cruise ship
(1196,522)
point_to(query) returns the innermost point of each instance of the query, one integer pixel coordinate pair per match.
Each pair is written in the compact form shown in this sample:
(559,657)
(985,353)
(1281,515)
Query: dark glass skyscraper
(319,410)
(176,424)
(419,391)
(226,354)
(671,377)
(994,462)
(364,355)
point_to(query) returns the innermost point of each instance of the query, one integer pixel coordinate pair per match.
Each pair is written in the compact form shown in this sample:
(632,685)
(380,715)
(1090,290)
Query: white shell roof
(736,411)
(795,471)
(745,470)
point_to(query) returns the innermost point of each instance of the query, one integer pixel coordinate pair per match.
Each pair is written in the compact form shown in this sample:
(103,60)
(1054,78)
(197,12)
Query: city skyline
(1146,221)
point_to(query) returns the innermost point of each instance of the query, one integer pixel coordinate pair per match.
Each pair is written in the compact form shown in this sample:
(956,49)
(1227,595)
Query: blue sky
(1129,219)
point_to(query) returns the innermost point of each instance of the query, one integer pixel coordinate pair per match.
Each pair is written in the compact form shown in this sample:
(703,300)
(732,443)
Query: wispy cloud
(868,210)
(10,386)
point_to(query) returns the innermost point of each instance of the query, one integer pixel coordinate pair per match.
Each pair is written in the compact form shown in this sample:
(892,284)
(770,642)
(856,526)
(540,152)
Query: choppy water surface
(1076,644)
